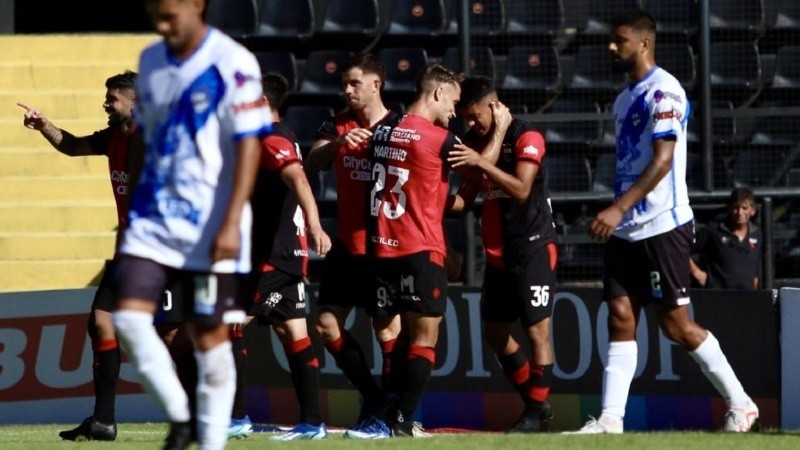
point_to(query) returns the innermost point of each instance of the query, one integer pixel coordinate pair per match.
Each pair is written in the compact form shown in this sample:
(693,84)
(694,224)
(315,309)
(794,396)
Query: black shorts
(204,298)
(347,281)
(655,269)
(415,283)
(524,292)
(277,297)
(104,298)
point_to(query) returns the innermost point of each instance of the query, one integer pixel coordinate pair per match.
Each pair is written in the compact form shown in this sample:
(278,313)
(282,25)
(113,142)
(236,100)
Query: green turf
(150,436)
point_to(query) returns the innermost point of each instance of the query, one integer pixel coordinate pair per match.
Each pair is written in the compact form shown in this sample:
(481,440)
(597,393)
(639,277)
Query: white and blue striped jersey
(654,108)
(192,113)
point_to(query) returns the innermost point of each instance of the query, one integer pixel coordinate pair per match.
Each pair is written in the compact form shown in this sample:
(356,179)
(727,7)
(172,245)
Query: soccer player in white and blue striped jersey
(201,112)
(650,230)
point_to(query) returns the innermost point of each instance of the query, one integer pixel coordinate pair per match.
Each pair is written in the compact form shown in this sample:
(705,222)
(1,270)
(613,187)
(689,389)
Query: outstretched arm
(62,140)
(324,151)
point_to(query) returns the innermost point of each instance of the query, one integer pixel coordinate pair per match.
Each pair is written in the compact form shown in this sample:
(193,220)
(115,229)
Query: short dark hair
(125,80)
(368,63)
(741,194)
(638,19)
(475,88)
(275,86)
(435,73)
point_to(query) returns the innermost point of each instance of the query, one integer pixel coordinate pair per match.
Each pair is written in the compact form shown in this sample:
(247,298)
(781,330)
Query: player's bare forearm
(62,140)
(517,185)
(294,177)
(462,201)
(699,274)
(321,156)
(501,119)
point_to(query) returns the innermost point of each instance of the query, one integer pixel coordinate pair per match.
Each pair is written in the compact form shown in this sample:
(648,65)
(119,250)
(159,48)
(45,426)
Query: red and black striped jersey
(353,174)
(512,230)
(409,187)
(279,230)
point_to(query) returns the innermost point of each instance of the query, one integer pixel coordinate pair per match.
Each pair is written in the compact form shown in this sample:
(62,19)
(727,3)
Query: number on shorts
(166,305)
(205,290)
(383,297)
(541,295)
(655,281)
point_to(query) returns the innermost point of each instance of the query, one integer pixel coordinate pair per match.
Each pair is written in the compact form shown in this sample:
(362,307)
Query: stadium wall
(45,365)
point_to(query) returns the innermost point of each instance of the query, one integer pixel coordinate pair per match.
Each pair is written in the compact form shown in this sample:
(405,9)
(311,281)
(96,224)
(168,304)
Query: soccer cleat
(303,431)
(418,431)
(180,436)
(90,430)
(240,428)
(599,426)
(372,428)
(742,419)
(534,420)
(525,424)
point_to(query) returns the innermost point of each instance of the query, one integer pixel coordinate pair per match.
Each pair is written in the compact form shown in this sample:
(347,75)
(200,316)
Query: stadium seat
(417,17)
(237,18)
(679,60)
(673,17)
(568,172)
(293,19)
(593,74)
(577,131)
(605,170)
(787,16)
(535,17)
(305,122)
(351,17)
(532,73)
(402,65)
(735,70)
(323,72)
(723,128)
(328,185)
(737,17)
(481,61)
(786,79)
(778,129)
(283,62)
(486,17)
(601,12)
(694,171)
(759,167)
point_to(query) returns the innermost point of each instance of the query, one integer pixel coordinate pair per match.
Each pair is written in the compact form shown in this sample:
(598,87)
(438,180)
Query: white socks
(719,372)
(151,359)
(216,387)
(617,378)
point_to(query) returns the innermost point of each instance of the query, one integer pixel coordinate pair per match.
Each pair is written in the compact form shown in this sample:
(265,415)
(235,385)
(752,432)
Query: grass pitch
(139,436)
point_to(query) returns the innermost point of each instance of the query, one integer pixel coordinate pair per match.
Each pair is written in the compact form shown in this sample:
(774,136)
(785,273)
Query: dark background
(81,16)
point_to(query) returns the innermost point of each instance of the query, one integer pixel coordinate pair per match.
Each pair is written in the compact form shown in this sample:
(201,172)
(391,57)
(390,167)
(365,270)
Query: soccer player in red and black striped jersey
(342,144)
(407,201)
(285,224)
(519,238)
(118,144)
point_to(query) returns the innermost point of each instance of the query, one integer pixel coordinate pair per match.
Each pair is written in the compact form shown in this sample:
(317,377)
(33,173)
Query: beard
(115,120)
(622,65)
